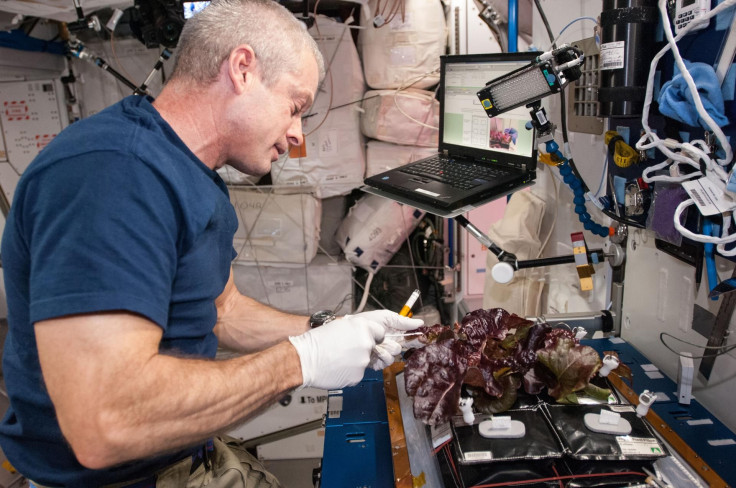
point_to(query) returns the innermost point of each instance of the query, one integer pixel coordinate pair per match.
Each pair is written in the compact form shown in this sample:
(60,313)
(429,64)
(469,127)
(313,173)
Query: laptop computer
(492,156)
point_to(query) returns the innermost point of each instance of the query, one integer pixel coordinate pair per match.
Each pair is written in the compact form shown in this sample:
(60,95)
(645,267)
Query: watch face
(321,317)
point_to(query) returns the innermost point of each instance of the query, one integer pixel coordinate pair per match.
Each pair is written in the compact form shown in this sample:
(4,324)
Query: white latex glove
(336,354)
(384,353)
(391,321)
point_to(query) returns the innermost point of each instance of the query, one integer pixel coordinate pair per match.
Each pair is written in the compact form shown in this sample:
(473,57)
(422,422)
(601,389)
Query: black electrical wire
(722,349)
(546,23)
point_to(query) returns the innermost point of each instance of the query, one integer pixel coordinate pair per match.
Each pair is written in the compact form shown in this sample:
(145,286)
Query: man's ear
(241,67)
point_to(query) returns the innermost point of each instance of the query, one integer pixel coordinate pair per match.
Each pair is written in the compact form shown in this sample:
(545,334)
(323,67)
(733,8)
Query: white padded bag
(275,229)
(518,233)
(409,117)
(322,284)
(383,156)
(374,230)
(405,50)
(232,176)
(335,160)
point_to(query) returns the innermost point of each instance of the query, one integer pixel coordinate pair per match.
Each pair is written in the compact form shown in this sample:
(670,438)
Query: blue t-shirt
(115,214)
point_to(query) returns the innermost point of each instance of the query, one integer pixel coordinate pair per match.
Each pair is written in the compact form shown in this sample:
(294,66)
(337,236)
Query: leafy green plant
(492,354)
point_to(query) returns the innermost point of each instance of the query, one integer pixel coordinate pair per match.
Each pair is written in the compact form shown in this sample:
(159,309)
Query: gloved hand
(391,321)
(383,354)
(336,354)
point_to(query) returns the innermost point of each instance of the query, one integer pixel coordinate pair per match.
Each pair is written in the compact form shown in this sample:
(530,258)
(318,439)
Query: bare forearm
(173,402)
(246,326)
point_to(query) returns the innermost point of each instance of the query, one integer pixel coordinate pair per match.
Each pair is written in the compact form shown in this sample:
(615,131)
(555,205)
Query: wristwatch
(321,317)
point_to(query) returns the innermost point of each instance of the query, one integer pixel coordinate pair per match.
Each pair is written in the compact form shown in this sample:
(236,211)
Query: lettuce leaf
(493,353)
(434,376)
(492,404)
(572,364)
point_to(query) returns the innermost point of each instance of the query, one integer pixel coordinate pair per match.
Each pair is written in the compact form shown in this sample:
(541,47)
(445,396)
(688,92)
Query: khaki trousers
(230,466)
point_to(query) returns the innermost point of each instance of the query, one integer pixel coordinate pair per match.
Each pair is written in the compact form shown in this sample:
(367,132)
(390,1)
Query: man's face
(273,121)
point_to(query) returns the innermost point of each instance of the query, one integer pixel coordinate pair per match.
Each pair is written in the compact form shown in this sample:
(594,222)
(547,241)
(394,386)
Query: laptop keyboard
(460,175)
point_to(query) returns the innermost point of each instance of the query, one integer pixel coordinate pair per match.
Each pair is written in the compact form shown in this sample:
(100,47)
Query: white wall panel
(659,296)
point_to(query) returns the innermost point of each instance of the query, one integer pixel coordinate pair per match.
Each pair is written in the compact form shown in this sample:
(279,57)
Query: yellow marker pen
(409,303)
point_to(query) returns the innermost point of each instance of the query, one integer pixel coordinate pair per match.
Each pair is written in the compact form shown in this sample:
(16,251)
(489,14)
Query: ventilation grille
(583,108)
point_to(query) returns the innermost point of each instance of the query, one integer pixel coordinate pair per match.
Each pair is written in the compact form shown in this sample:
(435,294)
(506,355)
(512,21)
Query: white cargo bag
(232,176)
(335,149)
(518,233)
(374,229)
(409,117)
(324,284)
(406,49)
(383,156)
(333,211)
(275,228)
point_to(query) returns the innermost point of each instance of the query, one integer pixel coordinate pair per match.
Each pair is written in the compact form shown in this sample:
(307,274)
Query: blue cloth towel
(676,102)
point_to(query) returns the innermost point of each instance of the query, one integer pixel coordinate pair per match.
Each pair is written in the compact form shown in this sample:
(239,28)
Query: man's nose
(294,134)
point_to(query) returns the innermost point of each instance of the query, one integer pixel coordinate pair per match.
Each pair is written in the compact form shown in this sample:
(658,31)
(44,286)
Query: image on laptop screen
(466,123)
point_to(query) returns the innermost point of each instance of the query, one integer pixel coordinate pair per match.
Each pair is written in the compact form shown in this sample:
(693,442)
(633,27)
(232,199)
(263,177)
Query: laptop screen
(465,125)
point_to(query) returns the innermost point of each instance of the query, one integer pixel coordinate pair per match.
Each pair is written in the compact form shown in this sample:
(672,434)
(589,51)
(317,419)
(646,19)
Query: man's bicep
(103,235)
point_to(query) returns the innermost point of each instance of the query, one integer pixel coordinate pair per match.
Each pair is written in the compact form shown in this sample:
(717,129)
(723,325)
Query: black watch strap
(321,317)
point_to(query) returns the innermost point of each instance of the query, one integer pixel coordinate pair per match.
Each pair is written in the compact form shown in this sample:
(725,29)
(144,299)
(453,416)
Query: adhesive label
(708,197)
(639,446)
(721,442)
(478,456)
(622,408)
(613,55)
(700,422)
(334,407)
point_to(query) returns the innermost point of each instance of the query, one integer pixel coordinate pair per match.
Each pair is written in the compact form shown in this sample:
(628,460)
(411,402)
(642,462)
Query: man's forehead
(306,85)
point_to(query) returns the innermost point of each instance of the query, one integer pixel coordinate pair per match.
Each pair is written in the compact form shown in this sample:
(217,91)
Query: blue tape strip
(729,84)
(723,20)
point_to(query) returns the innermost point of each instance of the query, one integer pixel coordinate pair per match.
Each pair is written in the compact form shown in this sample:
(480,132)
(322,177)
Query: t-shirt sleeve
(102,236)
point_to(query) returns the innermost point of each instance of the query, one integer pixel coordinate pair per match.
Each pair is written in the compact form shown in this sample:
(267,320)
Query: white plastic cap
(646,399)
(502,272)
(466,407)
(609,364)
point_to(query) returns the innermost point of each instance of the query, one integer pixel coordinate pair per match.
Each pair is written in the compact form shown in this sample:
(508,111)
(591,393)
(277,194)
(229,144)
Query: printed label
(334,407)
(622,408)
(478,456)
(708,197)
(613,55)
(639,446)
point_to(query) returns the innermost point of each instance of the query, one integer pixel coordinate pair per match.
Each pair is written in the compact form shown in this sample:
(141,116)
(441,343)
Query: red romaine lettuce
(572,364)
(481,325)
(493,352)
(434,376)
